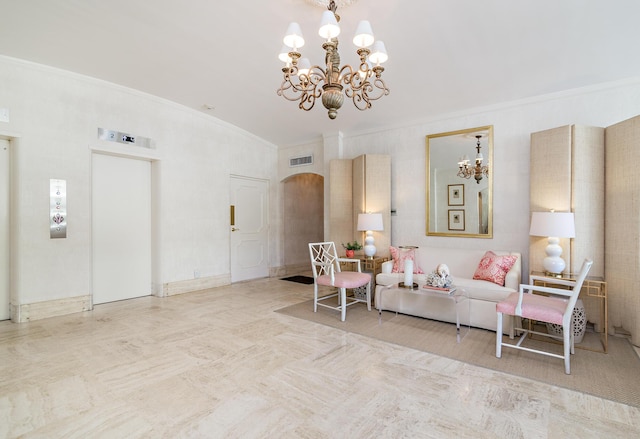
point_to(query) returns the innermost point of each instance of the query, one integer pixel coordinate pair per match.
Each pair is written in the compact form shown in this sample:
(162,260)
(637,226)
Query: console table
(594,287)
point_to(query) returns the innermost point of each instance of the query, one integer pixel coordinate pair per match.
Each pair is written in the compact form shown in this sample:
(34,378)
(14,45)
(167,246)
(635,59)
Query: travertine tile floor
(221,364)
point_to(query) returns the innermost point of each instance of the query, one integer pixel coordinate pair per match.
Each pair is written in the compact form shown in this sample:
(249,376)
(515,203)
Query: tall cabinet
(591,171)
(360,185)
(568,175)
(622,236)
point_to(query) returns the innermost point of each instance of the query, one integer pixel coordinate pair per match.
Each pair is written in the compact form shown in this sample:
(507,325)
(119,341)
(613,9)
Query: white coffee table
(458,296)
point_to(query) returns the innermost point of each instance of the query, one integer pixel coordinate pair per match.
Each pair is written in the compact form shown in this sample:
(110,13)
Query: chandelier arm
(360,88)
(304,88)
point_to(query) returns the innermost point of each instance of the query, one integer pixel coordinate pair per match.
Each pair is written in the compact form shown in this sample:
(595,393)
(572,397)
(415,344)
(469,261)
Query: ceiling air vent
(301,161)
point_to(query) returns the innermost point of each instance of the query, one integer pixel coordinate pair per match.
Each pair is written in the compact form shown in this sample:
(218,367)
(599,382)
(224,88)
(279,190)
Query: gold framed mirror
(460,199)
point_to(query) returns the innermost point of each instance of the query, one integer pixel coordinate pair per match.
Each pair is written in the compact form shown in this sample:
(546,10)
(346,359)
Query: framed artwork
(456,219)
(456,194)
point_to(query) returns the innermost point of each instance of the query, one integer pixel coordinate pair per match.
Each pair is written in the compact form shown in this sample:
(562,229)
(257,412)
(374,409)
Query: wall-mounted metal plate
(58,208)
(127,139)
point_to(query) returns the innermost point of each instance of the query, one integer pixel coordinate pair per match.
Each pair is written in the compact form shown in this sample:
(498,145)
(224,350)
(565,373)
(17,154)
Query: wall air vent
(301,161)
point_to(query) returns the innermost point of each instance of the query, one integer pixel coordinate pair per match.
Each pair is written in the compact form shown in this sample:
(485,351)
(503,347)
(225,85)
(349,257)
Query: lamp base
(553,263)
(369,248)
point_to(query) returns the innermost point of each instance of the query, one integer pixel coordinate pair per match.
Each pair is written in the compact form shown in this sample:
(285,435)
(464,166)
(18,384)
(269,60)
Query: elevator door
(121,233)
(5,312)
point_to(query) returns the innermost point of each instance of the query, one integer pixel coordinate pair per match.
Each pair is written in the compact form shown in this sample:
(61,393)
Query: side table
(594,287)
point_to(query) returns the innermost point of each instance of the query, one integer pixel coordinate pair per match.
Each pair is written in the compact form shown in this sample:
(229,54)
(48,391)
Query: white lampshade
(557,224)
(378,53)
(284,54)
(554,225)
(303,66)
(364,34)
(370,221)
(328,26)
(293,37)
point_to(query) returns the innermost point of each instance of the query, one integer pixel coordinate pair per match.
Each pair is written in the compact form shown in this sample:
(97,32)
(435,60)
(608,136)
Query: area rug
(614,375)
(299,279)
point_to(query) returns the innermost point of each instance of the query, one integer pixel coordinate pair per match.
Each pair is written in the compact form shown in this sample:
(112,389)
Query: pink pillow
(494,268)
(401,255)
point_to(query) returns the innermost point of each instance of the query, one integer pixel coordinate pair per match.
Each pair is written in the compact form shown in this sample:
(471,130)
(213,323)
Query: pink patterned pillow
(399,256)
(494,268)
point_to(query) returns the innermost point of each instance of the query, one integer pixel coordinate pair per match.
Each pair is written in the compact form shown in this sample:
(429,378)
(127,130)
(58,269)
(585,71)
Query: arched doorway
(303,218)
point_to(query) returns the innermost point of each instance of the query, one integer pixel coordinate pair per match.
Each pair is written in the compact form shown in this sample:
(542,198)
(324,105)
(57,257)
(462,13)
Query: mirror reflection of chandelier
(466,171)
(305,83)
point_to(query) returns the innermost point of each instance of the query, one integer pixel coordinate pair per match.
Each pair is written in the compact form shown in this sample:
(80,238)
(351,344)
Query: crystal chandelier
(466,171)
(305,83)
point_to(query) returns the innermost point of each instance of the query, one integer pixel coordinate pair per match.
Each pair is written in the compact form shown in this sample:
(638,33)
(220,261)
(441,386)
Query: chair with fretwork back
(556,306)
(326,272)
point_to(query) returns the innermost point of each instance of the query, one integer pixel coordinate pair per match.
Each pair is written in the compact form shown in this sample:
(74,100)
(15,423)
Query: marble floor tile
(222,364)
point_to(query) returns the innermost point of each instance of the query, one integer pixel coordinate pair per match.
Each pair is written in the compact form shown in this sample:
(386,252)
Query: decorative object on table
(408,275)
(440,277)
(305,83)
(351,247)
(369,223)
(554,225)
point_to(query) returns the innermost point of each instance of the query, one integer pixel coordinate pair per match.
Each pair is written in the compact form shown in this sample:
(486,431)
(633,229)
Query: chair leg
(566,339)
(499,336)
(315,297)
(369,296)
(343,301)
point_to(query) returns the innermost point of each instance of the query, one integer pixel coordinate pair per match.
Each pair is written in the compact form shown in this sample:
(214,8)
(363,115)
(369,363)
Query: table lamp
(553,225)
(369,222)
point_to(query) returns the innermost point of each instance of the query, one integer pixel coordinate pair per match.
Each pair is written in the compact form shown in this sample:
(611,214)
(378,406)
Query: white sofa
(462,265)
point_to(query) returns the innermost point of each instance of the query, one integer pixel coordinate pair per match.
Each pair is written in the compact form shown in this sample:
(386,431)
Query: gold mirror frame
(457,206)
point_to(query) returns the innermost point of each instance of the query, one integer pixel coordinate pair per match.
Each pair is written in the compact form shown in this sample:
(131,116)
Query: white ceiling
(444,55)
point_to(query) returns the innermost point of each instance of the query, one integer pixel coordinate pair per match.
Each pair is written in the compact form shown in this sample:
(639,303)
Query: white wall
(513,123)
(56,115)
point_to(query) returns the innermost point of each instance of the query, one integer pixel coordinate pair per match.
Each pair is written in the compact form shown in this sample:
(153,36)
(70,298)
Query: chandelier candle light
(305,83)
(466,171)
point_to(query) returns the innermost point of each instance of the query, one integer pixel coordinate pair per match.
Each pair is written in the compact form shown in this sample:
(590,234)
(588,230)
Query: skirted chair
(326,272)
(555,306)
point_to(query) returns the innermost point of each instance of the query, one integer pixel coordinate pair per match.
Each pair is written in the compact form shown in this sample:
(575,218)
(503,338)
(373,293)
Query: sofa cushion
(400,256)
(494,268)
(482,289)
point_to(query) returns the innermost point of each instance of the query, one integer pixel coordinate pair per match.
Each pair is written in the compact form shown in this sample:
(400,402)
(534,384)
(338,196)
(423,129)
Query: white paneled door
(121,233)
(5,312)
(249,228)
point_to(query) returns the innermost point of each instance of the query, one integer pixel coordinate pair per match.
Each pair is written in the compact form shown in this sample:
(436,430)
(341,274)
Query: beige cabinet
(567,169)
(567,174)
(360,185)
(622,236)
(590,171)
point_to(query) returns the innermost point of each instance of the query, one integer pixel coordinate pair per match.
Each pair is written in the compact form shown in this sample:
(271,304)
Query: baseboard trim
(50,308)
(191,285)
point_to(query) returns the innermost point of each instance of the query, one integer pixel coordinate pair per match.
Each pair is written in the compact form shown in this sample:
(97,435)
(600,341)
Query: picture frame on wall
(456,194)
(456,219)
